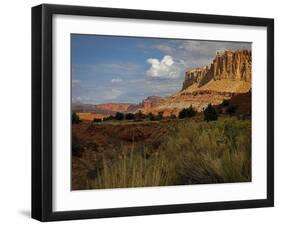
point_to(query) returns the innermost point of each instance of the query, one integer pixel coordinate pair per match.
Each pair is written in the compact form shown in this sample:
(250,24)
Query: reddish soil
(110,141)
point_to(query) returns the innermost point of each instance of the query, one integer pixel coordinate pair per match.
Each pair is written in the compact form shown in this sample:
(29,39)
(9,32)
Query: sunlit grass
(192,153)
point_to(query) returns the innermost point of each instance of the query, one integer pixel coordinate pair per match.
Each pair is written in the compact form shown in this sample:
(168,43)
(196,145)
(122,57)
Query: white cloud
(116,80)
(166,68)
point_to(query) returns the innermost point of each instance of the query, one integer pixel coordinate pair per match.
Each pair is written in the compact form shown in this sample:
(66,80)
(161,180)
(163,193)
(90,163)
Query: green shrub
(76,147)
(231,109)
(119,116)
(130,116)
(225,102)
(109,118)
(97,120)
(210,113)
(160,115)
(75,118)
(187,112)
(182,113)
(151,116)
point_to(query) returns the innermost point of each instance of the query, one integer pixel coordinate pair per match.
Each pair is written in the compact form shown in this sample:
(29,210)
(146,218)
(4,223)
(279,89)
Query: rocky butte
(229,74)
(234,66)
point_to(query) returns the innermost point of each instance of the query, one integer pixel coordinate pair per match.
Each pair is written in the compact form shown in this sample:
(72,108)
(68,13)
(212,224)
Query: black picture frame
(42,111)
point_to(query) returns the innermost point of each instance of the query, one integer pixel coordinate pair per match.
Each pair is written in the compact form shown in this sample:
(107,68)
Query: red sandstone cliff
(235,66)
(229,74)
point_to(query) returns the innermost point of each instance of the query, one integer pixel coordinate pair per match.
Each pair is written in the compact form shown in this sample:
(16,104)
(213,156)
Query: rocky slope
(150,103)
(91,111)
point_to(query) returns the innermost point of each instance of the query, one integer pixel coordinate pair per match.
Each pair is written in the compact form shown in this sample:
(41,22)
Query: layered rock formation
(150,103)
(91,111)
(227,75)
(145,105)
(235,66)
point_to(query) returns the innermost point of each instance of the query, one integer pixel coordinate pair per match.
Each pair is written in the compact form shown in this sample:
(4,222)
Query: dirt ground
(110,141)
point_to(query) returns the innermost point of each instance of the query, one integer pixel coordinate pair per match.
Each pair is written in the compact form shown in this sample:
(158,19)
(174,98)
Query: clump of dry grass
(214,152)
(133,170)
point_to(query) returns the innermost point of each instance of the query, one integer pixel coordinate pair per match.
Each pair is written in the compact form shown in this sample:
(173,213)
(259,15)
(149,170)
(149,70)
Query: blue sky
(114,69)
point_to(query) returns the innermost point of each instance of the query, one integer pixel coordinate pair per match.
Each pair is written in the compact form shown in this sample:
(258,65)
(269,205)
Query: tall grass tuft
(215,152)
(133,171)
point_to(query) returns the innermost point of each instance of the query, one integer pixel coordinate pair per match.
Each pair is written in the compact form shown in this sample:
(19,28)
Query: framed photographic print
(146,112)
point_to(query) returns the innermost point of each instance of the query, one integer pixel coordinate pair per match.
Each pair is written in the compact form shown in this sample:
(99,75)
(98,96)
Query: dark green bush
(231,109)
(75,118)
(225,103)
(97,120)
(130,116)
(187,112)
(109,118)
(76,147)
(119,116)
(210,113)
(151,116)
(160,115)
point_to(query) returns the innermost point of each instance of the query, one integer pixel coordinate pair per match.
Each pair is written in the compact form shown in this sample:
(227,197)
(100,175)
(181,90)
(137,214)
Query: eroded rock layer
(235,66)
